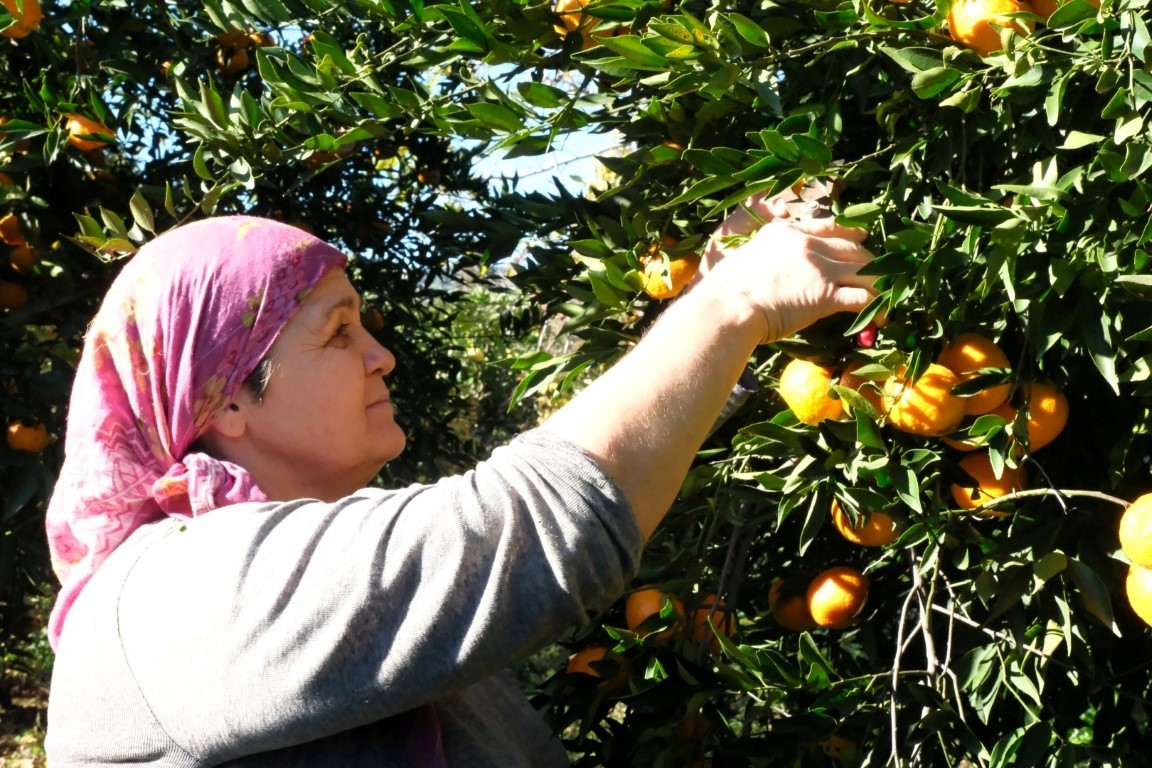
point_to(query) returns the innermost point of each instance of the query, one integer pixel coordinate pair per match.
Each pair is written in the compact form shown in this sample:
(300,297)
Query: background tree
(1002,177)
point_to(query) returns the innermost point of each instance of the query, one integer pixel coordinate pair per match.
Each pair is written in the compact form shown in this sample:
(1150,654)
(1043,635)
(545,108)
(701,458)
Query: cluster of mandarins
(1136,542)
(978,23)
(653,612)
(22,257)
(232,54)
(926,407)
(929,407)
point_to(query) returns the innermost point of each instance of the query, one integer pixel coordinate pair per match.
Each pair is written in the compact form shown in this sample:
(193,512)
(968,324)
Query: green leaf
(749,30)
(1078,139)
(931,82)
(142,212)
(634,50)
(496,116)
(859,215)
(1093,593)
(377,105)
(1070,15)
(700,189)
(541,95)
(907,486)
(1139,286)
(915,60)
(199,165)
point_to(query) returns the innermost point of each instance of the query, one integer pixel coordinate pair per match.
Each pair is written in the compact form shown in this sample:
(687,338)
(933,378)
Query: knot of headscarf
(201,483)
(185,322)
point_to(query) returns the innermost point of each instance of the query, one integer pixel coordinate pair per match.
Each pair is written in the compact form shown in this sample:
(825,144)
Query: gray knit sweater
(301,633)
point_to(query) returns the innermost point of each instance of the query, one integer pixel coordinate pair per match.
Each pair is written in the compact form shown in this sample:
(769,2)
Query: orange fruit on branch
(789,610)
(977,23)
(984,486)
(22,259)
(12,295)
(79,127)
(10,231)
(680,272)
(580,663)
(804,387)
(28,439)
(24,21)
(1047,409)
(927,406)
(722,620)
(648,602)
(968,353)
(877,529)
(1139,589)
(1136,531)
(836,596)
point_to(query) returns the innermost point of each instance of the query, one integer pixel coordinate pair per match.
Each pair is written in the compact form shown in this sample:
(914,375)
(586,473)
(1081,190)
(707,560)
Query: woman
(309,620)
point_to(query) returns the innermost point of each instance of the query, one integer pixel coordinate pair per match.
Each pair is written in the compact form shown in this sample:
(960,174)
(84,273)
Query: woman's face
(325,425)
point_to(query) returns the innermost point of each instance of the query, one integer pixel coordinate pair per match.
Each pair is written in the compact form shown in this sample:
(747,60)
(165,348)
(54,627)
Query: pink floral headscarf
(185,322)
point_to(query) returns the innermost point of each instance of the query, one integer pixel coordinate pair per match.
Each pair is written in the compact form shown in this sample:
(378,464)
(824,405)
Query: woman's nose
(378,361)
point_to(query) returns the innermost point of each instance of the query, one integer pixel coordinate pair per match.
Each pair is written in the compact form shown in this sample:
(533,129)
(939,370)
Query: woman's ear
(228,424)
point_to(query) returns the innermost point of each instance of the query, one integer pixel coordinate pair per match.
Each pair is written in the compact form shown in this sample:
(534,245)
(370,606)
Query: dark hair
(256,383)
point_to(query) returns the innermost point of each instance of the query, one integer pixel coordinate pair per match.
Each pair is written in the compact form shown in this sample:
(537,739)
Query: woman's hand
(794,272)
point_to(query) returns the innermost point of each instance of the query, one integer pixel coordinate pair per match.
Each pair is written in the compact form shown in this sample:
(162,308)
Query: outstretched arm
(645,419)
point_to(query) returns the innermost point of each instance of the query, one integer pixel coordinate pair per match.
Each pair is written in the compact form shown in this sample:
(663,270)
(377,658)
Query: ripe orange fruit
(232,61)
(645,603)
(1136,531)
(5,179)
(969,495)
(693,727)
(790,611)
(876,530)
(22,258)
(724,622)
(580,662)
(834,745)
(970,22)
(24,22)
(867,388)
(968,353)
(1045,8)
(1139,589)
(28,439)
(836,596)
(573,18)
(1047,413)
(680,272)
(926,407)
(10,231)
(804,388)
(12,295)
(79,126)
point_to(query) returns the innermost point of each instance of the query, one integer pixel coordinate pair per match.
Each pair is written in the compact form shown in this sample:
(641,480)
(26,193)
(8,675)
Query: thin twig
(1048,492)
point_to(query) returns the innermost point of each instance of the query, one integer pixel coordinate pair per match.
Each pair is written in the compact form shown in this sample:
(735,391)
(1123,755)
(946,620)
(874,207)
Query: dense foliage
(1006,195)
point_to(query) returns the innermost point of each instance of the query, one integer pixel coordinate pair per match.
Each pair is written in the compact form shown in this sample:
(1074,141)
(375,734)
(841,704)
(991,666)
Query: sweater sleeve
(261,626)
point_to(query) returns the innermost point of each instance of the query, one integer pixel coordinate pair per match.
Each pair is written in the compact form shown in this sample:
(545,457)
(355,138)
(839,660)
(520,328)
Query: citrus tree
(901,550)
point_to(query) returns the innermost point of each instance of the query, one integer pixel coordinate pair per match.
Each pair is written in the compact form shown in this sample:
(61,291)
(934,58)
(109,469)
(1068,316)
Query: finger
(828,228)
(843,273)
(841,250)
(852,299)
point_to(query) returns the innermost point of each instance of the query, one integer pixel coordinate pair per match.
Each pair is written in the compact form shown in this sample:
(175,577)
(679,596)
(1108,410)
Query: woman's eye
(342,331)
